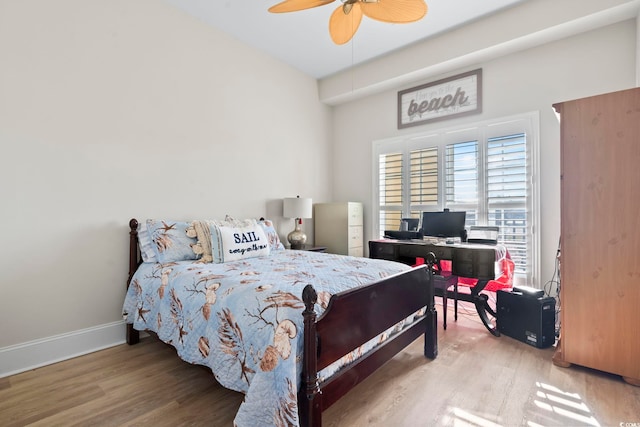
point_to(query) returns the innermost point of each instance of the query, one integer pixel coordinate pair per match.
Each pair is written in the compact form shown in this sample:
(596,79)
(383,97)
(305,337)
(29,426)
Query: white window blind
(507,194)
(462,173)
(423,175)
(390,168)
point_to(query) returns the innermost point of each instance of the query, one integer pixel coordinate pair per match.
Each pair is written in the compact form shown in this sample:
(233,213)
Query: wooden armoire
(600,234)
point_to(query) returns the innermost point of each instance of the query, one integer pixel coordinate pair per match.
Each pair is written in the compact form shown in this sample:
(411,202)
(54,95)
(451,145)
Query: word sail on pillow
(201,230)
(233,243)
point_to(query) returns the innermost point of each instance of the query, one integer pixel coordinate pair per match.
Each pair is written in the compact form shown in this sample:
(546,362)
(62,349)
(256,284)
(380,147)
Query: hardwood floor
(477,380)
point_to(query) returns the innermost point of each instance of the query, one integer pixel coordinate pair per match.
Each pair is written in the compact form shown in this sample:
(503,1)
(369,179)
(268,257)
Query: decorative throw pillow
(202,248)
(272,235)
(233,243)
(170,240)
(201,231)
(147,251)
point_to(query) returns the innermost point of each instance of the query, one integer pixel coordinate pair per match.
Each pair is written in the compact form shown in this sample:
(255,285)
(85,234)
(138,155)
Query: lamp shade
(296,207)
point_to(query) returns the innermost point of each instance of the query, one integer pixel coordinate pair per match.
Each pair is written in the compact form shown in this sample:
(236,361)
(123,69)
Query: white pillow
(233,243)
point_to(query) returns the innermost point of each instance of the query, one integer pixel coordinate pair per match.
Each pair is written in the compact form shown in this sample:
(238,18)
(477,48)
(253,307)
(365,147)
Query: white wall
(598,61)
(118,109)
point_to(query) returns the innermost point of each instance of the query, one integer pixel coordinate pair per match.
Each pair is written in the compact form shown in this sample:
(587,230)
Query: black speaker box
(526,317)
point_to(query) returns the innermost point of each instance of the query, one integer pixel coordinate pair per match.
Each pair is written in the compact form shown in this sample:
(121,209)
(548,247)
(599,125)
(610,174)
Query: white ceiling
(302,39)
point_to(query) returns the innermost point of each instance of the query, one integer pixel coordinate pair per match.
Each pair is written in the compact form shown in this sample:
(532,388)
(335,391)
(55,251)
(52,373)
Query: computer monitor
(443,224)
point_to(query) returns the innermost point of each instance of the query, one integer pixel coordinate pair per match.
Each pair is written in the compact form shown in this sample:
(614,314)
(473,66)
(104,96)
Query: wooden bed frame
(342,328)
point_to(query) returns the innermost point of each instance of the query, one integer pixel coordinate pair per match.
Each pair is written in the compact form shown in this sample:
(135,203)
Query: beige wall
(598,61)
(116,109)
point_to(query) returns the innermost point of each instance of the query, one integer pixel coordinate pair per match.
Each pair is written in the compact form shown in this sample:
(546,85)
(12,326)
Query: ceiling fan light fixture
(342,27)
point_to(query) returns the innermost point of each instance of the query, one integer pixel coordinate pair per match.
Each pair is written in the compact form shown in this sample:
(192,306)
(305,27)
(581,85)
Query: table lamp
(295,207)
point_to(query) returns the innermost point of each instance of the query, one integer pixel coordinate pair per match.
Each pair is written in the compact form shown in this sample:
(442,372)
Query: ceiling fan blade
(343,25)
(295,5)
(395,11)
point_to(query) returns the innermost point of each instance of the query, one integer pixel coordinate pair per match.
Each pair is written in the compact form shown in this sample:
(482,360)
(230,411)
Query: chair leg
(455,301)
(444,309)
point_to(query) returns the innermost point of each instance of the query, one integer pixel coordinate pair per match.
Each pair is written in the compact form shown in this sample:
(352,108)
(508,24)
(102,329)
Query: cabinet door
(600,266)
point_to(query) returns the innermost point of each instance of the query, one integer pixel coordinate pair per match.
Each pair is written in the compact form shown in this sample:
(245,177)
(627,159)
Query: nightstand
(313,248)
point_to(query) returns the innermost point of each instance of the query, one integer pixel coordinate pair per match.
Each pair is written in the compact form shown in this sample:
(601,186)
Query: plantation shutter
(391,190)
(461,178)
(506,170)
(423,180)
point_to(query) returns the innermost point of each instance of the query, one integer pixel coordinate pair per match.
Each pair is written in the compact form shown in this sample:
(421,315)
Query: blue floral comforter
(243,319)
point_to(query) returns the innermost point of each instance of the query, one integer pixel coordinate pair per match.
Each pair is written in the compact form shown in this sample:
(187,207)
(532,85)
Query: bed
(292,330)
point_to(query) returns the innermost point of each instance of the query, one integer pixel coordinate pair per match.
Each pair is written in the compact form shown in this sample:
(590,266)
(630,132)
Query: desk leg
(482,306)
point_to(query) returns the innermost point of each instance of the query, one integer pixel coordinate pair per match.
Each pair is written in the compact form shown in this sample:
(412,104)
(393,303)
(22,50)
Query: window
(485,169)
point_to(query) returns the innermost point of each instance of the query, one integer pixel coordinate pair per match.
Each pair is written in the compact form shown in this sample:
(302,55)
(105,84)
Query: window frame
(527,123)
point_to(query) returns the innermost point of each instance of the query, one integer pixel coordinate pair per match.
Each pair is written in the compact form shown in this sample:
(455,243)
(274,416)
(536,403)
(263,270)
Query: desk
(467,260)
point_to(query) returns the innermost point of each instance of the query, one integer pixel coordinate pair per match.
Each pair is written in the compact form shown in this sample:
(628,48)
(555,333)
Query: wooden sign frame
(455,96)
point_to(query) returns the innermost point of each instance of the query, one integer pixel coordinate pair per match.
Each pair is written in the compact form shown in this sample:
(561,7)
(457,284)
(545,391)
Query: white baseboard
(34,354)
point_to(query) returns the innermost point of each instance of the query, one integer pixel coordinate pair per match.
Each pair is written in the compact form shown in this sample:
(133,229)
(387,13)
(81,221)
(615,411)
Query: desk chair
(442,281)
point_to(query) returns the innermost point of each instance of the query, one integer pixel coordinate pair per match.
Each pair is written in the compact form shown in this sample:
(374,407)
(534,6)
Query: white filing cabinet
(339,227)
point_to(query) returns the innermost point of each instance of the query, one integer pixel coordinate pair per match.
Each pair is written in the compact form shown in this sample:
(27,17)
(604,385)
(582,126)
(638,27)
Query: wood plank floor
(477,380)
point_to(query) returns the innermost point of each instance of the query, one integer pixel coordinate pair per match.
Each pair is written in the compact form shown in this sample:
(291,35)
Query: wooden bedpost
(133,248)
(133,336)
(310,396)
(431,332)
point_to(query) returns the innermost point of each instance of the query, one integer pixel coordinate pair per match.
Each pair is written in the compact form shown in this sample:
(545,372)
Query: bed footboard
(342,329)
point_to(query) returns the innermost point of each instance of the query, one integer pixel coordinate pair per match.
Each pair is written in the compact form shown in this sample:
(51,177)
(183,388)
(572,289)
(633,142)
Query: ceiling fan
(345,20)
